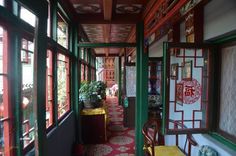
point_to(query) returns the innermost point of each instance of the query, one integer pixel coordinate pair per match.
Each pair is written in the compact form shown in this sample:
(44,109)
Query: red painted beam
(152,12)
(170,14)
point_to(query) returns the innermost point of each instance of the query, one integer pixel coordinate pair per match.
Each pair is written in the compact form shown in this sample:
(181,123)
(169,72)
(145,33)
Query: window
(2,2)
(82,72)
(27,16)
(82,53)
(227,108)
(49,90)
(5,129)
(48,20)
(187,87)
(62,31)
(63,83)
(27,65)
(86,73)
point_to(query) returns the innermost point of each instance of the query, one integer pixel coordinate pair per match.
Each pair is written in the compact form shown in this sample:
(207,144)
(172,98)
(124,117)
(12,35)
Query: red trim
(49,88)
(166,18)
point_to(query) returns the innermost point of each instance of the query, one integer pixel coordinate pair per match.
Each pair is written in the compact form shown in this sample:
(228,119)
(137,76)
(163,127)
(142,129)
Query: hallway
(120,140)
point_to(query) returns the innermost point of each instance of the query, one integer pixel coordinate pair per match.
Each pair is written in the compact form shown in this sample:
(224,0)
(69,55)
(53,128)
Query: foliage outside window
(63,83)
(27,65)
(62,31)
(49,90)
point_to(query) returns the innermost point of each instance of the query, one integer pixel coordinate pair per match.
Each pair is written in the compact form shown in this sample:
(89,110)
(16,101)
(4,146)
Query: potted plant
(84,94)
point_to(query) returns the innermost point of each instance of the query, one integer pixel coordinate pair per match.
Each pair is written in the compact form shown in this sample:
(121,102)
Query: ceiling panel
(90,12)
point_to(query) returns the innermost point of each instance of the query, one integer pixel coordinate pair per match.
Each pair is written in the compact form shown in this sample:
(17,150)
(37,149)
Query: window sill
(220,145)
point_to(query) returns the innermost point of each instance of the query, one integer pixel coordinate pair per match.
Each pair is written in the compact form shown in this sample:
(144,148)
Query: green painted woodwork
(227,39)
(40,86)
(106,45)
(89,59)
(15,78)
(223,140)
(74,82)
(141,112)
(53,21)
(164,84)
(119,81)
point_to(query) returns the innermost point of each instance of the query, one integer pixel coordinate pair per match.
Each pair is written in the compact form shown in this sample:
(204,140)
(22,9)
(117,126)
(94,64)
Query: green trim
(40,86)
(223,140)
(119,81)
(89,59)
(53,21)
(164,85)
(101,45)
(141,107)
(226,39)
(16,89)
(75,82)
(215,135)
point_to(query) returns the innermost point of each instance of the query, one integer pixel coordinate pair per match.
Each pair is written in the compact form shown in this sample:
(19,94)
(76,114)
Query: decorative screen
(188,83)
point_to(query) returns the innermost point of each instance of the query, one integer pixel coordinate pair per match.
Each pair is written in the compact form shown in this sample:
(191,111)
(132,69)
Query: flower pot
(87,103)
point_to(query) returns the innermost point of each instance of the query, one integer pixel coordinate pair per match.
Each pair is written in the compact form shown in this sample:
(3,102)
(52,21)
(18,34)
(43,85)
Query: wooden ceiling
(105,21)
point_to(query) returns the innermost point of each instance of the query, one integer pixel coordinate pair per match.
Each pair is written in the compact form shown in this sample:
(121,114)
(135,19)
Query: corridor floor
(120,140)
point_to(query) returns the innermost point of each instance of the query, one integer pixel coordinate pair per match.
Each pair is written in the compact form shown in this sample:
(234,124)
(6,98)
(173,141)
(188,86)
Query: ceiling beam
(116,19)
(107,9)
(143,2)
(106,45)
(106,35)
(110,55)
(153,11)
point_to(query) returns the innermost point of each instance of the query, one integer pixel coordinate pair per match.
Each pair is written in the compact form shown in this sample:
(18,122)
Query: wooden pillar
(75,81)
(119,81)
(141,112)
(40,85)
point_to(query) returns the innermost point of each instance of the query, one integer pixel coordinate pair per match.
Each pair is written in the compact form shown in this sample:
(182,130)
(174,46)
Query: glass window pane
(27,98)
(2,2)
(82,72)
(63,83)
(227,108)
(62,31)
(49,90)
(1,49)
(48,20)
(4,103)
(27,16)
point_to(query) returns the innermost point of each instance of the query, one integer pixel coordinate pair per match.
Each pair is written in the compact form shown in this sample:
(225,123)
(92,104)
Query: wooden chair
(153,147)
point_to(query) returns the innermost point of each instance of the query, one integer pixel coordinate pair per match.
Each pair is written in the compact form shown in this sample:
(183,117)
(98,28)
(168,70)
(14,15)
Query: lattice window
(188,87)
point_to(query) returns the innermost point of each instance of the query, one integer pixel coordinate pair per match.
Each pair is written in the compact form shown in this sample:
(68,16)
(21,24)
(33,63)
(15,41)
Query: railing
(64,107)
(26,135)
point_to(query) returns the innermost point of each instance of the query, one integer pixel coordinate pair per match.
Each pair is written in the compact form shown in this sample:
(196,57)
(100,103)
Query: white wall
(156,49)
(219,18)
